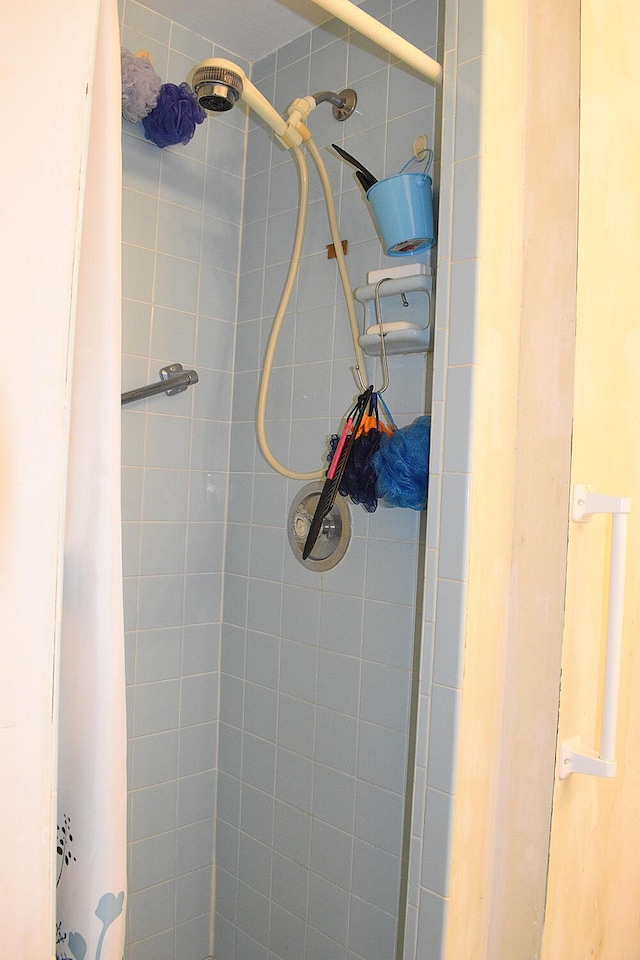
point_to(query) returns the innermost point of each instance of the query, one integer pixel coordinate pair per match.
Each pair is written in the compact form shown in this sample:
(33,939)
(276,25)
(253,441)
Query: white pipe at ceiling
(367,25)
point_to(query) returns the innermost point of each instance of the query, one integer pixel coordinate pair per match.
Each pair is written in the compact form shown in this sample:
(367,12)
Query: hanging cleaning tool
(366,179)
(337,468)
(359,479)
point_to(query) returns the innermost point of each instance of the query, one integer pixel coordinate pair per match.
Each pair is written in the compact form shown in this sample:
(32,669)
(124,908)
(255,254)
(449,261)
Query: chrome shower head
(216,87)
(219,84)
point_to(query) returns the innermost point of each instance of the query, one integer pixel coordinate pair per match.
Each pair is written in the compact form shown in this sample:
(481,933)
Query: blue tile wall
(303,738)
(177,307)
(317,670)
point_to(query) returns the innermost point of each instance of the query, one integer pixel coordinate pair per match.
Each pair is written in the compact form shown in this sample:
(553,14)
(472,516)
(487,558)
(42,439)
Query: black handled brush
(336,470)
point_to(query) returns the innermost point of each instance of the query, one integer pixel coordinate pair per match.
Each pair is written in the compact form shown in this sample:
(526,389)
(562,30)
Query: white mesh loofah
(140,86)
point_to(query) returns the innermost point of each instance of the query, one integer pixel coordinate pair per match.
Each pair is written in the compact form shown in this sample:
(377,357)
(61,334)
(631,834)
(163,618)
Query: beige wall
(523,440)
(45,120)
(522,444)
(594,875)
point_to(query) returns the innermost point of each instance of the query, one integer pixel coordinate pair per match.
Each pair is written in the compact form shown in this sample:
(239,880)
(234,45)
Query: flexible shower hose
(272,343)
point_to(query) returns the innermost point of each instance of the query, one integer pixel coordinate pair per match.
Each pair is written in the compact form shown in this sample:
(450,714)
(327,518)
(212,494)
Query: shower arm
(369,27)
(328,96)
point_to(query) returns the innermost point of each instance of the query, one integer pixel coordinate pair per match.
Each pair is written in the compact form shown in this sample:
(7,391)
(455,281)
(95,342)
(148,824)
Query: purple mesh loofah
(140,86)
(175,116)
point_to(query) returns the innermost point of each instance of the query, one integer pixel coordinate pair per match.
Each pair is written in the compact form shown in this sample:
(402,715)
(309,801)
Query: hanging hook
(383,349)
(361,381)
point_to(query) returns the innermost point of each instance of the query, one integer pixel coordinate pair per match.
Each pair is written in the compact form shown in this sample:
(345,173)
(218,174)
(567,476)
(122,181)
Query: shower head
(216,87)
(219,84)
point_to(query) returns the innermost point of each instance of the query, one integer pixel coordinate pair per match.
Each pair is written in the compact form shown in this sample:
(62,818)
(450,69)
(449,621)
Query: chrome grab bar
(173,379)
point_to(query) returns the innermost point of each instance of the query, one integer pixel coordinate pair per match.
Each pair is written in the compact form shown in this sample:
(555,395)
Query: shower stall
(300,740)
(292,733)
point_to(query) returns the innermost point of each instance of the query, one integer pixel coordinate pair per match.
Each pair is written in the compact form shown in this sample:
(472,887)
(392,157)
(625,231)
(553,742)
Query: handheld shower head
(216,87)
(219,84)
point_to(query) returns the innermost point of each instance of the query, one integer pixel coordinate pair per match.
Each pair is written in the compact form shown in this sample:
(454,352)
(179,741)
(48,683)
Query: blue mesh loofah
(402,466)
(359,478)
(175,116)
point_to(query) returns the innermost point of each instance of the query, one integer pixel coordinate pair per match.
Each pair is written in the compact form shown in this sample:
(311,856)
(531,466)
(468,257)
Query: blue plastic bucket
(402,208)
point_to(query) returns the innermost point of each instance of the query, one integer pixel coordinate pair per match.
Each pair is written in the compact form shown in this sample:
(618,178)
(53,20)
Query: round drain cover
(334,537)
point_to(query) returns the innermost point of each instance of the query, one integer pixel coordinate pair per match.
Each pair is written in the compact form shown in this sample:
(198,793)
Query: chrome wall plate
(333,539)
(350,99)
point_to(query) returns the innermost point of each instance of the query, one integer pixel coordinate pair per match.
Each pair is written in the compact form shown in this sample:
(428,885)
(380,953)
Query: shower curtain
(91,840)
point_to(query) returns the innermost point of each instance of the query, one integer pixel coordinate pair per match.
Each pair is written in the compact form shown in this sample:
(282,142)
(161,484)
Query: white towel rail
(573,757)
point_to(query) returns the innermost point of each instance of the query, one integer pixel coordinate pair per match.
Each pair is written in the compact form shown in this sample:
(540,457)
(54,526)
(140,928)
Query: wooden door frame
(528,209)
